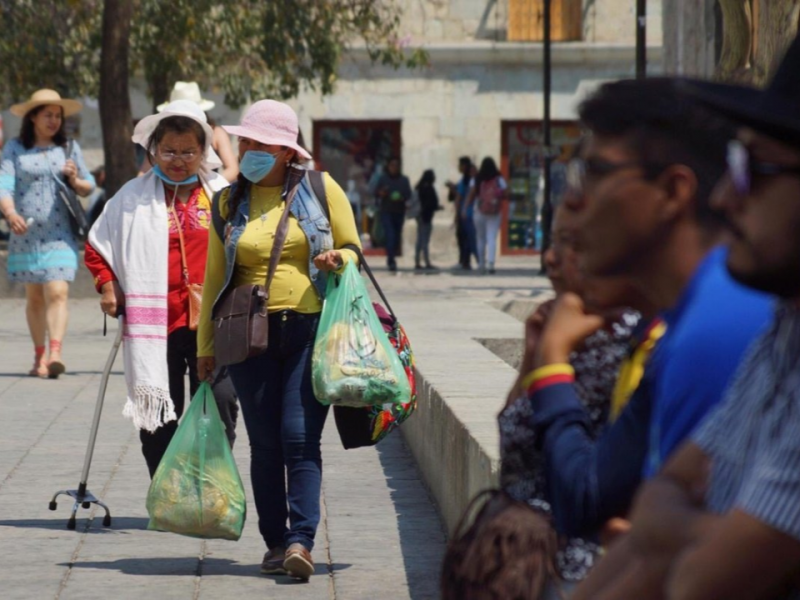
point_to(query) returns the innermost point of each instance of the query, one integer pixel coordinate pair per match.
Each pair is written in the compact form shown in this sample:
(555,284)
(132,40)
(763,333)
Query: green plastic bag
(354,362)
(196,490)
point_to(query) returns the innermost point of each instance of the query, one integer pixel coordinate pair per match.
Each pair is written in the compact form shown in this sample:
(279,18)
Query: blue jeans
(284,423)
(393,231)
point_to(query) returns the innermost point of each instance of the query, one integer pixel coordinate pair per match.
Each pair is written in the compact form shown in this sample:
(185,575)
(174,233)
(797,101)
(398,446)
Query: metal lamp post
(547,206)
(641,39)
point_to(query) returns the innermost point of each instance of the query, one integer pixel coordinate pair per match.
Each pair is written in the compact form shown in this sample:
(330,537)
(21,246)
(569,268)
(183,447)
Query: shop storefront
(522,163)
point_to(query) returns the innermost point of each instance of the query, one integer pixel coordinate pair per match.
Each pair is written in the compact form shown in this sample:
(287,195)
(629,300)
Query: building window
(526,20)
(522,162)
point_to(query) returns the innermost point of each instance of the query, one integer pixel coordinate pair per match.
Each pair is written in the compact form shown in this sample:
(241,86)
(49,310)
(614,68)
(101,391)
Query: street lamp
(547,206)
(641,39)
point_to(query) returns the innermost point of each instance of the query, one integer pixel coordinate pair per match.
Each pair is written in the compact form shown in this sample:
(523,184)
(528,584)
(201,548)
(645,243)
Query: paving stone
(381,537)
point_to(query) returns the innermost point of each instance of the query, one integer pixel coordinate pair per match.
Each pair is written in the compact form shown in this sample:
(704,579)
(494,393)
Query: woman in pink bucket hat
(283,418)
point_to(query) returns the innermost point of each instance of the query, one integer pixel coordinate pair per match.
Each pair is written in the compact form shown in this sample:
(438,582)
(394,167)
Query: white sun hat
(187,90)
(180,108)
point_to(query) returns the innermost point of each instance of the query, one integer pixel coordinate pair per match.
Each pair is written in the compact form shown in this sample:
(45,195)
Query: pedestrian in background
(465,228)
(283,418)
(428,205)
(43,252)
(148,244)
(394,190)
(486,192)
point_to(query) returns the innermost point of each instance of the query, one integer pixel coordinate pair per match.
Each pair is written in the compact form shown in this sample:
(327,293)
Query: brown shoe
(298,563)
(273,562)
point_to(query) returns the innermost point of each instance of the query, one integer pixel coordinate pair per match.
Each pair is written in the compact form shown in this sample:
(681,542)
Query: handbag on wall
(507,550)
(241,320)
(78,221)
(193,290)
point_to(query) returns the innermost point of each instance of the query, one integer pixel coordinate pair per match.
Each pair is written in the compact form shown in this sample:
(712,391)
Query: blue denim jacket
(311,217)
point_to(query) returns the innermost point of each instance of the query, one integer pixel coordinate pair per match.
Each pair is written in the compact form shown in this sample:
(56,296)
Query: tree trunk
(737,34)
(776,27)
(160,89)
(115,103)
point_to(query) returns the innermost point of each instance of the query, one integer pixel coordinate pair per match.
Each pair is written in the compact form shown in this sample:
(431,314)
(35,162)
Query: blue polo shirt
(590,480)
(708,332)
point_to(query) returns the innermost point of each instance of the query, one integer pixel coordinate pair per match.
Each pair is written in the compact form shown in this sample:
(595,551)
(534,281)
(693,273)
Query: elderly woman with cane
(147,252)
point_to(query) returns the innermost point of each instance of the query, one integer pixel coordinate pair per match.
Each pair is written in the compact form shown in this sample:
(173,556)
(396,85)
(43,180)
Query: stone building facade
(481,95)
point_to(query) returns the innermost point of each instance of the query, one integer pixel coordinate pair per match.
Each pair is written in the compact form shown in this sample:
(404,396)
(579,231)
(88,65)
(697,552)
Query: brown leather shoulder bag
(241,323)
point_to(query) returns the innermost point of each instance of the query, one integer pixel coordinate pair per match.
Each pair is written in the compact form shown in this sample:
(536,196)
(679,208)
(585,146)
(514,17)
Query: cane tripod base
(83,499)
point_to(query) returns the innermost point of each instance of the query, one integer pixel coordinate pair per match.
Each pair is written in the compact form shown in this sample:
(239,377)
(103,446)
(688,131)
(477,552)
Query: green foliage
(246,48)
(53,43)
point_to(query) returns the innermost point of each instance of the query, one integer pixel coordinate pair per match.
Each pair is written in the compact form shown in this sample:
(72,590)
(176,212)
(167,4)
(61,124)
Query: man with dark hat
(722,519)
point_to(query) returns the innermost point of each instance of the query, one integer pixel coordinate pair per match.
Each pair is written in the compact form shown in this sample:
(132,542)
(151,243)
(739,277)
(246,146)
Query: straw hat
(270,122)
(47,97)
(180,108)
(187,90)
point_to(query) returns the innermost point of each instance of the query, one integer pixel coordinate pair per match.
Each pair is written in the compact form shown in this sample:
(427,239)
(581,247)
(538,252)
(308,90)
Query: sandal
(55,367)
(39,364)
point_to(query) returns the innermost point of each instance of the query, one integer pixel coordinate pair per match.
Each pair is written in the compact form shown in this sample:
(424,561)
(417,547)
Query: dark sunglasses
(742,168)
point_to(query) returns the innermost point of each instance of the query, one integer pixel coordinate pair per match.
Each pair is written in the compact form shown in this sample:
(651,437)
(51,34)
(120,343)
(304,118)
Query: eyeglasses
(580,170)
(169,156)
(742,168)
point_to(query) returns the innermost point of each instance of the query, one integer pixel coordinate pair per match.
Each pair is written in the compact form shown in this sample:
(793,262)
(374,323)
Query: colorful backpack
(489,196)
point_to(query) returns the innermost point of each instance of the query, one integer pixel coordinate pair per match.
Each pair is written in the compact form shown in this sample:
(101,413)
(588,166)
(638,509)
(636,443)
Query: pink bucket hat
(270,122)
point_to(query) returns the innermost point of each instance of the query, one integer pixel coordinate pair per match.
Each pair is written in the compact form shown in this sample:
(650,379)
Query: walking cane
(83,497)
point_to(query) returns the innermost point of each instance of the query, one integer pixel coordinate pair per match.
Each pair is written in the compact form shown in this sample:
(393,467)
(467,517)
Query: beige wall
(433,21)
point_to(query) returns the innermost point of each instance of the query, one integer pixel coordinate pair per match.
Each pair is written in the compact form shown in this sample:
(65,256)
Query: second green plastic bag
(354,363)
(196,490)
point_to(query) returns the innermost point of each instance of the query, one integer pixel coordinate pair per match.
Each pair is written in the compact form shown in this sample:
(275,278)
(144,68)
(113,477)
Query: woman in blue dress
(42,253)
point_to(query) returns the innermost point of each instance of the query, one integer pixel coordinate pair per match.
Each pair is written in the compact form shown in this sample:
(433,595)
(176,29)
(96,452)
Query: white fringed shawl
(132,235)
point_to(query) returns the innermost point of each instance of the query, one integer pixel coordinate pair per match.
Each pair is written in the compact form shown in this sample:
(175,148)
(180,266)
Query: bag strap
(317,182)
(363,263)
(184,263)
(67,153)
(293,178)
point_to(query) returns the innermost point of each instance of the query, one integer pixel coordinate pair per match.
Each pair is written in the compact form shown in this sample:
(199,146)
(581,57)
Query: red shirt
(194,217)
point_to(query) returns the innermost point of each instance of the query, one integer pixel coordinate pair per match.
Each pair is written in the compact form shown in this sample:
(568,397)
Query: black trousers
(182,357)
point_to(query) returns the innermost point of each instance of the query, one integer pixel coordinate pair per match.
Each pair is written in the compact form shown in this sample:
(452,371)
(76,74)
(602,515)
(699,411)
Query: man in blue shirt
(640,192)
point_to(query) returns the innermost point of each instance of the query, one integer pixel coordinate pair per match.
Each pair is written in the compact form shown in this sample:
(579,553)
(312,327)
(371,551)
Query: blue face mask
(163,177)
(256,165)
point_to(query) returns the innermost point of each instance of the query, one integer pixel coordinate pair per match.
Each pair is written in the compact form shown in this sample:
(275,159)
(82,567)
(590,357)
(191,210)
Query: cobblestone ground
(380,538)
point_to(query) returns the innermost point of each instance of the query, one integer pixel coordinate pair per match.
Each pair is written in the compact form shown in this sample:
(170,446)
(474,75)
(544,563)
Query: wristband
(548,375)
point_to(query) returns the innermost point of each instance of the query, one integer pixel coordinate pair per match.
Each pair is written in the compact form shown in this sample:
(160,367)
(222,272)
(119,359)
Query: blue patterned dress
(48,251)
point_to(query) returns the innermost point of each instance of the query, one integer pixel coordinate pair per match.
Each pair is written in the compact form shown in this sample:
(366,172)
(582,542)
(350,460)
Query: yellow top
(292,288)
(632,369)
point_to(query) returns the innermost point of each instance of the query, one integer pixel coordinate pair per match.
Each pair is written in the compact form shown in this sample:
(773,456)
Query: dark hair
(175,125)
(27,135)
(466,162)
(663,126)
(239,189)
(506,551)
(428,177)
(487,172)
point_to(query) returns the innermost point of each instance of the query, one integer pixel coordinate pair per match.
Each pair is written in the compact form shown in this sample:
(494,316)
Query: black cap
(773,111)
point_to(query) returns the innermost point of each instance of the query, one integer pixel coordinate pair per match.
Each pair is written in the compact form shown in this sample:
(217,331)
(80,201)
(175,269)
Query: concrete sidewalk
(381,536)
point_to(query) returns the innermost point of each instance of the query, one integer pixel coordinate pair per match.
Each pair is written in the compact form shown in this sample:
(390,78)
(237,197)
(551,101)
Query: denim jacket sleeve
(590,480)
